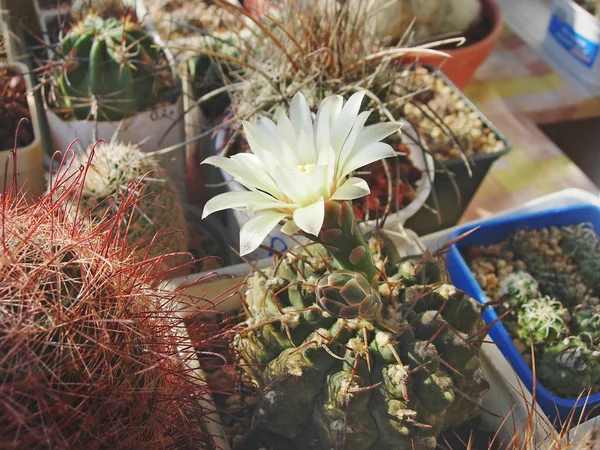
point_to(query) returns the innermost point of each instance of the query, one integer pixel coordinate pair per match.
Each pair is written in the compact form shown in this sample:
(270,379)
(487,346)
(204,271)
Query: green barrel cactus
(569,368)
(211,72)
(341,362)
(110,68)
(543,320)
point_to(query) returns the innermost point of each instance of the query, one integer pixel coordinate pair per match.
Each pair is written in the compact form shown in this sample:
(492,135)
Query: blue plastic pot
(494,231)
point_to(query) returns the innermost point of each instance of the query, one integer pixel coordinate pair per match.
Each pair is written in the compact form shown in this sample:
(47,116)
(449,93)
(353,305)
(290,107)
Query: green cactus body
(544,320)
(569,367)
(343,363)
(209,73)
(109,70)
(518,288)
(586,322)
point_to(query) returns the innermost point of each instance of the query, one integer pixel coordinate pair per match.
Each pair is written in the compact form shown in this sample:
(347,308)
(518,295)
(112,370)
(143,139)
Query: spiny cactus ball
(517,288)
(91,352)
(544,320)
(110,69)
(569,367)
(119,171)
(343,363)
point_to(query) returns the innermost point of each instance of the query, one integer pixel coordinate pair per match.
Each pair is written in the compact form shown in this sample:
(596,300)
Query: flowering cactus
(518,288)
(347,345)
(109,68)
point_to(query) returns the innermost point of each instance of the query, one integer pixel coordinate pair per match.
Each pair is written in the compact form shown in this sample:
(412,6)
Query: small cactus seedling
(570,368)
(518,288)
(586,322)
(118,173)
(543,320)
(94,354)
(110,68)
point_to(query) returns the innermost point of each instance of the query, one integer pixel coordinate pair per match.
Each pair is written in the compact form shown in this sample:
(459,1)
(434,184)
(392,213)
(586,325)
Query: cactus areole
(108,69)
(348,345)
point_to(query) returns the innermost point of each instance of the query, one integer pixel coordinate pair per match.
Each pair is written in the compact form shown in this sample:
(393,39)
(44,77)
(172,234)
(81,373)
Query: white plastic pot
(29,159)
(281,242)
(155,129)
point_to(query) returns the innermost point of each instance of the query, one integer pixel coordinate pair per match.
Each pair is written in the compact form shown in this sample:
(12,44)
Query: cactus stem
(342,237)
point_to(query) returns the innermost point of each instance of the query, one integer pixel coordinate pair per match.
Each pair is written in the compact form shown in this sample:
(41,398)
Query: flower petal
(300,115)
(294,185)
(288,145)
(236,200)
(343,124)
(352,188)
(254,232)
(290,228)
(310,218)
(376,132)
(328,111)
(369,154)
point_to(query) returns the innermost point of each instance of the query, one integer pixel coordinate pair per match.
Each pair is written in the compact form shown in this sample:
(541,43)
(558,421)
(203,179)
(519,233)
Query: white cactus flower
(298,164)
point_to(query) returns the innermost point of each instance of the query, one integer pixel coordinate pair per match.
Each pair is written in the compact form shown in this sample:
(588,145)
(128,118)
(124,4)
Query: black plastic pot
(453,185)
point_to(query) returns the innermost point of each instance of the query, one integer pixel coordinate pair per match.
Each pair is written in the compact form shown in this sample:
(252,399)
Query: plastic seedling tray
(494,231)
(450,205)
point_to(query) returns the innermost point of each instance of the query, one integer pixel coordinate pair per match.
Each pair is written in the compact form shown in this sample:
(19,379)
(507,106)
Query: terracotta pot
(464,60)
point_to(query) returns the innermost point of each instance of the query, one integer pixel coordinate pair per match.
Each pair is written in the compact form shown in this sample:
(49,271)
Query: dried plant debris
(393,184)
(175,19)
(448,125)
(549,281)
(13,108)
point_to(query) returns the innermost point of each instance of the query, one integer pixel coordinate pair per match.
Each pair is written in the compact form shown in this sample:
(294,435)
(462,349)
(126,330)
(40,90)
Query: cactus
(92,355)
(346,344)
(543,320)
(109,68)
(569,368)
(432,18)
(518,288)
(119,171)
(313,325)
(586,322)
(210,73)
